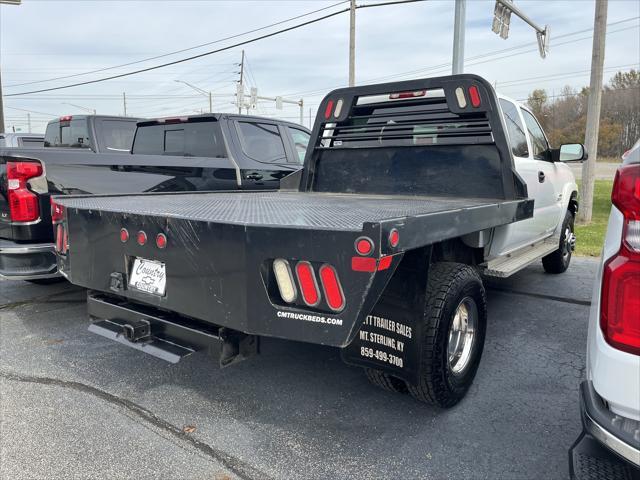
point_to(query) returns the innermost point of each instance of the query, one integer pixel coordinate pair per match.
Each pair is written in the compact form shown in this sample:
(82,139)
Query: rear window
(116,135)
(193,139)
(72,134)
(262,142)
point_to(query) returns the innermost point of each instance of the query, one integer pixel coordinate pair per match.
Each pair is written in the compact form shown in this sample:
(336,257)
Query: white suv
(610,396)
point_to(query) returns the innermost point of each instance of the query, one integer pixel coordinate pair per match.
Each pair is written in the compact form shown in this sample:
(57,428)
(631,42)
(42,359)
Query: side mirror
(570,152)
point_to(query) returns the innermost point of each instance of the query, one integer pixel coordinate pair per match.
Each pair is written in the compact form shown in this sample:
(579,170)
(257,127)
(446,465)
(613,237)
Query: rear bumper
(27,261)
(618,434)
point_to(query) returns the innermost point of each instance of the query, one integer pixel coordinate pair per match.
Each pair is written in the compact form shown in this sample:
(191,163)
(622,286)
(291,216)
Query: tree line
(564,116)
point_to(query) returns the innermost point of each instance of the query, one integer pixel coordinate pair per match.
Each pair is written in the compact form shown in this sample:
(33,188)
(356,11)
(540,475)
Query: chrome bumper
(605,426)
(27,261)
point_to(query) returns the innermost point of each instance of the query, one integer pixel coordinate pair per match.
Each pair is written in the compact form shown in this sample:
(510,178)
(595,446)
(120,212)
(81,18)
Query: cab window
(515,129)
(262,142)
(539,143)
(300,141)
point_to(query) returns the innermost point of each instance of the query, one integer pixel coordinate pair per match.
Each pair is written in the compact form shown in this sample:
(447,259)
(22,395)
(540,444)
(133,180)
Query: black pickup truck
(374,247)
(197,153)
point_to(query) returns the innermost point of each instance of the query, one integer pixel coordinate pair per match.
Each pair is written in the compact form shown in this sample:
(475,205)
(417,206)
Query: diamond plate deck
(291,209)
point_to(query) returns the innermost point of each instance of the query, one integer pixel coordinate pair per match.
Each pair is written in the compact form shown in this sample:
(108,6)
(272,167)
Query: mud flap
(390,339)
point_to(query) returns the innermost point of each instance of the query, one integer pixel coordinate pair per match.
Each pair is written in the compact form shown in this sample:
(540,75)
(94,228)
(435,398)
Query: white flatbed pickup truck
(409,190)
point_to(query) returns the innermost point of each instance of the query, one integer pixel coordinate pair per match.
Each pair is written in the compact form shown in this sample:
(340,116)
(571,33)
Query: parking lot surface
(75,405)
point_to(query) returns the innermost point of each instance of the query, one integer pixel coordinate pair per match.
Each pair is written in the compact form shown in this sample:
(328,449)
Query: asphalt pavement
(75,405)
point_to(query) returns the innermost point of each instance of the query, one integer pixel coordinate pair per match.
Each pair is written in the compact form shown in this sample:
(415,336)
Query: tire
(558,261)
(443,382)
(385,381)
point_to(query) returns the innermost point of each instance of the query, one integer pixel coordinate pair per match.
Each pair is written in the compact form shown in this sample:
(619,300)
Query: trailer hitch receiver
(138,331)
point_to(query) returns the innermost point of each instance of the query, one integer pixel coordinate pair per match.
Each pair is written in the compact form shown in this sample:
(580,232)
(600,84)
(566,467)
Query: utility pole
(29,122)
(124,103)
(241,85)
(458,36)
(1,109)
(593,112)
(352,44)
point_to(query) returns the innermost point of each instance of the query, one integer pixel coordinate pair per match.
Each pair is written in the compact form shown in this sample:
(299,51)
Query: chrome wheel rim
(569,242)
(462,334)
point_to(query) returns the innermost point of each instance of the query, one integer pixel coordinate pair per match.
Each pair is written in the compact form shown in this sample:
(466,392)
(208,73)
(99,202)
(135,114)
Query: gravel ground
(74,405)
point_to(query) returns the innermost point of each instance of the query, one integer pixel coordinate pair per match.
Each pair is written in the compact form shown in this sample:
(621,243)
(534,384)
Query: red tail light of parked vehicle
(23,203)
(620,303)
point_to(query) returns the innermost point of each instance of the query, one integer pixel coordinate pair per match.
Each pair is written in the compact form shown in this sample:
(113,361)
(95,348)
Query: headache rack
(439,136)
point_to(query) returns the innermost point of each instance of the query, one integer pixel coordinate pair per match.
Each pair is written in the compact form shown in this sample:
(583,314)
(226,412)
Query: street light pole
(87,109)
(458,36)
(199,90)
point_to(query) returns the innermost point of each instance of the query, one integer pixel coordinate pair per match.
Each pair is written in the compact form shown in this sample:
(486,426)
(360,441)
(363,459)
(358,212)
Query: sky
(46,39)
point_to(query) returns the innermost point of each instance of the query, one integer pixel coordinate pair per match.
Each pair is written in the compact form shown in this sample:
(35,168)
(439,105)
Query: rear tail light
(57,212)
(284,279)
(124,235)
(620,301)
(141,238)
(332,288)
(23,203)
(308,285)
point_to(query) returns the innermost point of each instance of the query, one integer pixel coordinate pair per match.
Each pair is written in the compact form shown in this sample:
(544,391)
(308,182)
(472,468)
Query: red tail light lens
(474,96)
(161,240)
(620,301)
(328,109)
(141,238)
(23,203)
(124,235)
(364,246)
(57,212)
(308,284)
(394,238)
(332,288)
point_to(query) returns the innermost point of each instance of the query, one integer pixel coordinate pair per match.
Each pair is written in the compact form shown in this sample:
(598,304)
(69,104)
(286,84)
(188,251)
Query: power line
(179,51)
(211,52)
(446,66)
(31,111)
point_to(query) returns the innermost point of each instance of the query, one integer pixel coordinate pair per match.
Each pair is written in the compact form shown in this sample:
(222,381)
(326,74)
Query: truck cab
(550,184)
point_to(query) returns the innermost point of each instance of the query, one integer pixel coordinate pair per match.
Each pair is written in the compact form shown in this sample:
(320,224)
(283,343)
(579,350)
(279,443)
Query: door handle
(541,177)
(253,176)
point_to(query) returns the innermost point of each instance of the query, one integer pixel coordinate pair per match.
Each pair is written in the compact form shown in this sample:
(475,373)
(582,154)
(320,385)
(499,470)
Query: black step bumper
(27,261)
(608,447)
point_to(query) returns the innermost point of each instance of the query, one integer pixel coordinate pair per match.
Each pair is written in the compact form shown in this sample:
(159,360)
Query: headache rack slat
(410,133)
(399,124)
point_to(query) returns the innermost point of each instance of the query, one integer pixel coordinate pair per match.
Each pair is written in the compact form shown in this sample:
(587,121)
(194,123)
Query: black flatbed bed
(304,210)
